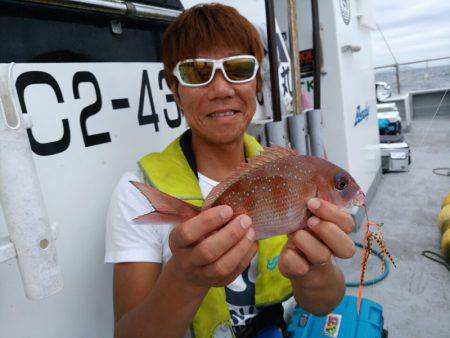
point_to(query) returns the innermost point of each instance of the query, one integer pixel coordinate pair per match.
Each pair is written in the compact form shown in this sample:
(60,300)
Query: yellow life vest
(170,172)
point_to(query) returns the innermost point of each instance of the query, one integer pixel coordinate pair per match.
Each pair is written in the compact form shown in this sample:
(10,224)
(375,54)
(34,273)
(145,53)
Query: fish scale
(272,188)
(270,201)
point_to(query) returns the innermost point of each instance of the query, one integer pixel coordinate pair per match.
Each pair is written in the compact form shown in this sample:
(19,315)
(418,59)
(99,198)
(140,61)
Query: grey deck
(416,295)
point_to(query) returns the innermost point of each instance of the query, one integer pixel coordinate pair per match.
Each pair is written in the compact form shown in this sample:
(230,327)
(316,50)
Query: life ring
(445,245)
(443,219)
(446,201)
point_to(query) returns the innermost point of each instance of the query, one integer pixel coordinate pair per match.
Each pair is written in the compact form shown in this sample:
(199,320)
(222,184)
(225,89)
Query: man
(201,277)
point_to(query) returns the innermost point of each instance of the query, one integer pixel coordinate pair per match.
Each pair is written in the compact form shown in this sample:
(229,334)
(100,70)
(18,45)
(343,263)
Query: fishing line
(387,44)
(431,122)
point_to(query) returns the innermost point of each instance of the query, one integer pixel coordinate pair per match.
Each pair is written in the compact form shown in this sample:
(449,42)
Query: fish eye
(341,185)
(341,182)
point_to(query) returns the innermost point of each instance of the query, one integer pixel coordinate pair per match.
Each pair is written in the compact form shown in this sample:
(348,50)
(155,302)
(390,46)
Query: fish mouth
(358,200)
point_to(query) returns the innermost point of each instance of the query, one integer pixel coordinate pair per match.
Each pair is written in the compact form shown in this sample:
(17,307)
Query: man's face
(202,104)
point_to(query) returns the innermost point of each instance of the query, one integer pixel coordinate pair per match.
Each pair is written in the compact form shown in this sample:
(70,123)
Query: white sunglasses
(200,72)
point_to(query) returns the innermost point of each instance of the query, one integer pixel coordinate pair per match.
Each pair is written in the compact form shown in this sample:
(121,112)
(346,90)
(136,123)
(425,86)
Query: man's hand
(313,247)
(306,258)
(212,249)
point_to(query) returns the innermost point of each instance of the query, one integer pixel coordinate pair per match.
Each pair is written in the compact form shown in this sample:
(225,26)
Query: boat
(82,99)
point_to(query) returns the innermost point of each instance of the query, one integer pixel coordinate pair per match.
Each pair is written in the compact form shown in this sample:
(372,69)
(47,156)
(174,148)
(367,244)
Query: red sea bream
(271,188)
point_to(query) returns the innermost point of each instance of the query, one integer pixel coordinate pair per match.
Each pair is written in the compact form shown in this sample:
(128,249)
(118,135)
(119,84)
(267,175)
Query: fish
(272,188)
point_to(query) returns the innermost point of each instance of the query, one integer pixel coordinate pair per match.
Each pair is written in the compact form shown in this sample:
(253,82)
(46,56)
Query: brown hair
(205,27)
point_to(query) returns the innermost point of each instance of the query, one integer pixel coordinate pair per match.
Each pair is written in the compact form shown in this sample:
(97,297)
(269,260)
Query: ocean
(414,78)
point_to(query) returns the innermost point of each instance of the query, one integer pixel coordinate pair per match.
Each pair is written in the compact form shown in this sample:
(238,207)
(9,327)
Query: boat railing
(416,75)
(118,7)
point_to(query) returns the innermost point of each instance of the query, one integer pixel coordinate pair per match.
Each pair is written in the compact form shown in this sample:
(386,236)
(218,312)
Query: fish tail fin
(168,209)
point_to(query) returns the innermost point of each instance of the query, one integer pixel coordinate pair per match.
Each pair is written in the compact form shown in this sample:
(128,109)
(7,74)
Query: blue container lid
(343,322)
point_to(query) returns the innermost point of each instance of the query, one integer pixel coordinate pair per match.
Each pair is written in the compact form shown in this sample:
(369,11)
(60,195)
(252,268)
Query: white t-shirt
(128,241)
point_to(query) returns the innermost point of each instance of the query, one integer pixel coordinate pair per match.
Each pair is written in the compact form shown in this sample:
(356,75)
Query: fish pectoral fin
(155,217)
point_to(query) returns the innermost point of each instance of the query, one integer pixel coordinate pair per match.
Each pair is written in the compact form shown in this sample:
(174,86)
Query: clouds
(415,29)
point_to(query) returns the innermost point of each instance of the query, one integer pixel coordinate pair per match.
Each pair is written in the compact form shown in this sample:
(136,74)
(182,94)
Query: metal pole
(22,201)
(297,123)
(276,132)
(273,59)
(293,27)
(317,52)
(397,76)
(117,7)
(315,126)
(315,116)
(155,13)
(412,62)
(297,133)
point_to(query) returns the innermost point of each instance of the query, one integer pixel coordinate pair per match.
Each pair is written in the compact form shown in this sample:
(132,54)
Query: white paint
(20,195)
(407,103)
(7,249)
(348,82)
(76,186)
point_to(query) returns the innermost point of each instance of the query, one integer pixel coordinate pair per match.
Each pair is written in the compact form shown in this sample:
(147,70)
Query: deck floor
(415,295)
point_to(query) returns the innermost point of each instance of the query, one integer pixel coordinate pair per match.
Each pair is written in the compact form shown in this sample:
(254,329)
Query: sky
(414,29)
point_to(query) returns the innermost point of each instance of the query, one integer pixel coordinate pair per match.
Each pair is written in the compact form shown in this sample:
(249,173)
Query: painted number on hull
(53,147)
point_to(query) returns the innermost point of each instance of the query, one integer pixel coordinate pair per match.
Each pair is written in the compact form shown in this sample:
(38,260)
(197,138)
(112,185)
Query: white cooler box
(395,156)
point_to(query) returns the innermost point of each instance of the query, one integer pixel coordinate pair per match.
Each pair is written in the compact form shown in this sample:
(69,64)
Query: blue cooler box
(343,322)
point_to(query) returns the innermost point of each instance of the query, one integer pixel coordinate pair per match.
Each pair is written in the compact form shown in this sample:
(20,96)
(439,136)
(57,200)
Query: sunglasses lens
(241,69)
(196,72)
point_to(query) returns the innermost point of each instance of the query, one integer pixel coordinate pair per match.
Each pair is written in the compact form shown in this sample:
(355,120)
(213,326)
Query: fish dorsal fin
(269,155)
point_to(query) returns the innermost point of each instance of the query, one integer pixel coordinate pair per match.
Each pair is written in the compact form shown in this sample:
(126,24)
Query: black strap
(186,147)
(437,258)
(268,316)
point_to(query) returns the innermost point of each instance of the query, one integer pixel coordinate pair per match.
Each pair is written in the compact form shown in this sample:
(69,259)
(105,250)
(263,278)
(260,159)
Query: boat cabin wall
(98,102)
(347,84)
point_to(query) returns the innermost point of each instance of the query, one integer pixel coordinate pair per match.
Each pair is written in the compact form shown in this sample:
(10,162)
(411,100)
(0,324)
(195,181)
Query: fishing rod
(396,65)
(296,122)
(274,129)
(315,123)
(273,59)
